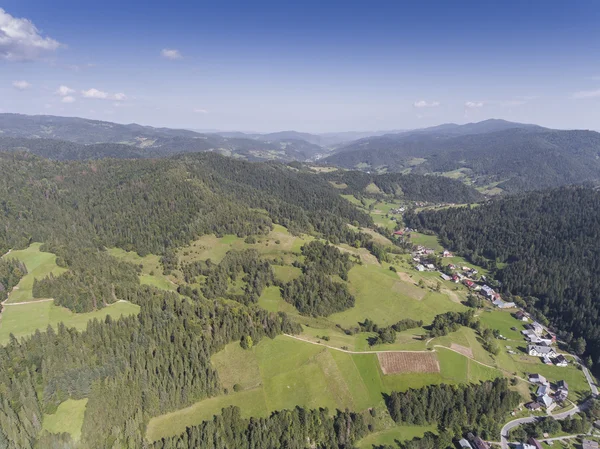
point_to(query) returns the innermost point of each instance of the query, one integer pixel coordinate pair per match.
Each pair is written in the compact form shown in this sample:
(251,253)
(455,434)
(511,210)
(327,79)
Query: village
(541,342)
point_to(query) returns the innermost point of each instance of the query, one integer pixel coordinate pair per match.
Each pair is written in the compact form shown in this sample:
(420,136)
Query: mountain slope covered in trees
(519,158)
(543,246)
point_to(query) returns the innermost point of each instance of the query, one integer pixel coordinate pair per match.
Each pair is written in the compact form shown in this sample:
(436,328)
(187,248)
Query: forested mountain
(76,138)
(542,246)
(436,189)
(517,158)
(154,205)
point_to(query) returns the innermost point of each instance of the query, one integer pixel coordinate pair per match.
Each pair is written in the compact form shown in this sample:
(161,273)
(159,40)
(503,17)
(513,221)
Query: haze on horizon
(312,67)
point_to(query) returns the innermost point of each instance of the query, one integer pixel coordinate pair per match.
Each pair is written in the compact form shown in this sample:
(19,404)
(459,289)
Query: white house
(537,379)
(541,351)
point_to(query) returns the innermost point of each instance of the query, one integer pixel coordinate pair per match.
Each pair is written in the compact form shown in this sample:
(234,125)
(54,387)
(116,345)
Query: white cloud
(64,91)
(200,111)
(20,40)
(94,93)
(21,85)
(170,53)
(474,104)
(68,99)
(425,104)
(586,94)
(101,95)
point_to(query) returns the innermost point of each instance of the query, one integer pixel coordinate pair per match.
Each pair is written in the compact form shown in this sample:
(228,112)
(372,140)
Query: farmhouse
(537,379)
(562,385)
(445,277)
(561,395)
(546,400)
(543,389)
(446,253)
(430,266)
(487,291)
(589,444)
(533,406)
(541,351)
(503,304)
(469,283)
(521,316)
(560,360)
(465,444)
(420,267)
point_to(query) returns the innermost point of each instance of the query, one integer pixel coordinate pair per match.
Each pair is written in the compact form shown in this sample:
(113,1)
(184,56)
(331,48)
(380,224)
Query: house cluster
(540,344)
(532,443)
(547,394)
(398,210)
(473,442)
(495,298)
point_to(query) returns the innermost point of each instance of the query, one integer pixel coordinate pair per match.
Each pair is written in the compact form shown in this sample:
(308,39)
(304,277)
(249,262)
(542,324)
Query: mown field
(67,418)
(284,372)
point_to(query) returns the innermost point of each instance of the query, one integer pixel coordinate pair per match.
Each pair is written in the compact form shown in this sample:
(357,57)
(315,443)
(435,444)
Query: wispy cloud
(68,99)
(582,94)
(20,40)
(21,84)
(200,111)
(474,104)
(170,53)
(101,95)
(425,104)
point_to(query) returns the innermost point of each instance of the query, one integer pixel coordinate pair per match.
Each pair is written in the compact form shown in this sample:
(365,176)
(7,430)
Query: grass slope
(22,320)
(393,434)
(39,265)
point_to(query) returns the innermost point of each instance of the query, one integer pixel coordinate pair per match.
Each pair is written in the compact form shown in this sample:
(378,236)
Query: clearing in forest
(408,362)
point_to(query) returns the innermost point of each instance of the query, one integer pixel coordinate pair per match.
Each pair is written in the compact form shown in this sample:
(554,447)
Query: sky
(313,66)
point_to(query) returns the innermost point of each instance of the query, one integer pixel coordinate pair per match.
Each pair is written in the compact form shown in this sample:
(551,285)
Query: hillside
(513,159)
(43,135)
(542,247)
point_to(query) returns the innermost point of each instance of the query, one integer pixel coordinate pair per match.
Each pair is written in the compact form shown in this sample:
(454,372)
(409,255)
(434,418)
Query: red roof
(399,233)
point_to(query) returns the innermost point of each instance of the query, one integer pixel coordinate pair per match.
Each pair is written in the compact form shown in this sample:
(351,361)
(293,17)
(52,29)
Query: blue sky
(310,66)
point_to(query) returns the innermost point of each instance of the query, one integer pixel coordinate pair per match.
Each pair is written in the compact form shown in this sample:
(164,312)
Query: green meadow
(39,265)
(67,418)
(24,319)
(284,372)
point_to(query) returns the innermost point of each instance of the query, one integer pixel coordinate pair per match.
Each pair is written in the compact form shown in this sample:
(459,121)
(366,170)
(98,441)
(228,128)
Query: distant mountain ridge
(511,156)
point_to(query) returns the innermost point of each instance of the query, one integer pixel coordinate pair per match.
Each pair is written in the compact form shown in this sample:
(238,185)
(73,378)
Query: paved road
(517,422)
(590,380)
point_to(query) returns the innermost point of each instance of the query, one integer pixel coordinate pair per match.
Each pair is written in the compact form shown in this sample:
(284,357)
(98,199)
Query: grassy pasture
(39,265)
(284,372)
(67,418)
(151,268)
(390,435)
(24,319)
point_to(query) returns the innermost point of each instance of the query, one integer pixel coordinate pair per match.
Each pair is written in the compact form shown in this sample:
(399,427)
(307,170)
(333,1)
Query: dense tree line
(294,429)
(570,426)
(11,272)
(315,294)
(387,334)
(478,408)
(257,274)
(129,369)
(90,282)
(326,259)
(546,243)
(448,322)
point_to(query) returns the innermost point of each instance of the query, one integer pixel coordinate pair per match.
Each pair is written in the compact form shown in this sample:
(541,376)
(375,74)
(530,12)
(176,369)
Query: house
(546,400)
(465,444)
(547,360)
(445,277)
(487,291)
(543,389)
(521,316)
(469,283)
(560,360)
(589,444)
(561,395)
(420,267)
(478,443)
(399,233)
(562,385)
(537,379)
(446,253)
(535,443)
(537,328)
(503,305)
(541,351)
(533,406)
(524,446)
(452,267)
(430,266)
(597,424)
(455,278)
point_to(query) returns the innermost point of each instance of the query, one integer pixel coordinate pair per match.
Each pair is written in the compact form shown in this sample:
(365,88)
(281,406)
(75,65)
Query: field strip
(27,302)
(394,351)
